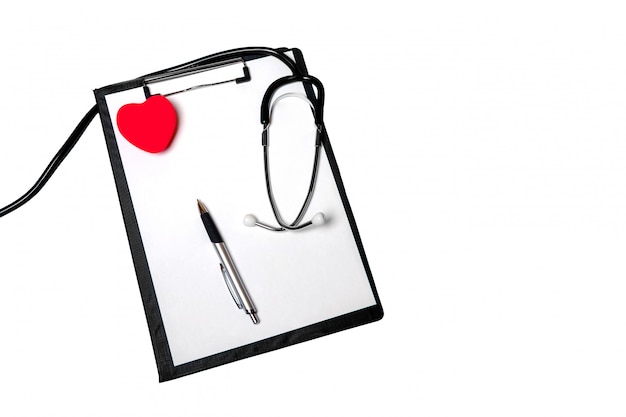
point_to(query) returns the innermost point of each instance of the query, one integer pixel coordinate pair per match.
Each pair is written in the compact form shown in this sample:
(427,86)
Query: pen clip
(231,287)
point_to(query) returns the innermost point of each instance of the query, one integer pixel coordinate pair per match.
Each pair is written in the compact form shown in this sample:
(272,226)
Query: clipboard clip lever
(184,72)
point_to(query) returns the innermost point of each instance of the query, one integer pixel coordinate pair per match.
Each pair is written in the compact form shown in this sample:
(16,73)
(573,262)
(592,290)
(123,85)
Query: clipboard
(306,284)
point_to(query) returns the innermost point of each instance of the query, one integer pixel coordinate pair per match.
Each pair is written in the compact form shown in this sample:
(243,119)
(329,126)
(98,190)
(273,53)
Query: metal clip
(171,75)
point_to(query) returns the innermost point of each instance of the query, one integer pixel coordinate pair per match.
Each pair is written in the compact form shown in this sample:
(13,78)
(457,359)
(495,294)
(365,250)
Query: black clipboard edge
(314,331)
(342,190)
(160,345)
(355,231)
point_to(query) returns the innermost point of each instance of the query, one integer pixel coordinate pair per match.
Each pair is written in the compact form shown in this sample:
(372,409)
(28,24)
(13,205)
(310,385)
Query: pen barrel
(229,265)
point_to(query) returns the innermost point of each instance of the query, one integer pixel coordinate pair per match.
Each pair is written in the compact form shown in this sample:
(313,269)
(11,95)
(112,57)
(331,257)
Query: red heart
(150,125)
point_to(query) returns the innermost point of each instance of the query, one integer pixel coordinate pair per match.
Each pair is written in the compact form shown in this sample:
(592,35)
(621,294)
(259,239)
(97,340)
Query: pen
(229,271)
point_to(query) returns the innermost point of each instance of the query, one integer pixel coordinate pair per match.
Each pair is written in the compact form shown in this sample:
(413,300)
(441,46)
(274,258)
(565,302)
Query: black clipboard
(133,172)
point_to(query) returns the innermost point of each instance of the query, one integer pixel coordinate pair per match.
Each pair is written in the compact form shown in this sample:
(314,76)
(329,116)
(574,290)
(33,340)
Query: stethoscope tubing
(296,224)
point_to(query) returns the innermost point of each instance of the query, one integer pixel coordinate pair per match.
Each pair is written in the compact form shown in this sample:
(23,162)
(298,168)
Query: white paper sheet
(295,278)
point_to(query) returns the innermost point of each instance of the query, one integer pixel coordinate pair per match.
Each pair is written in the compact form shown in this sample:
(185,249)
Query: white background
(482,145)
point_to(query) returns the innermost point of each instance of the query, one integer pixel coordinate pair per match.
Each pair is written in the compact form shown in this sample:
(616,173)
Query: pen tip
(201,207)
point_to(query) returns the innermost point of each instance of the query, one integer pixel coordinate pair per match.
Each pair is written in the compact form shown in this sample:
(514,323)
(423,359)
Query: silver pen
(229,270)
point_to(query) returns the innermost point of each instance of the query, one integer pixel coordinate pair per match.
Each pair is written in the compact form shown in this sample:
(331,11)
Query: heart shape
(150,125)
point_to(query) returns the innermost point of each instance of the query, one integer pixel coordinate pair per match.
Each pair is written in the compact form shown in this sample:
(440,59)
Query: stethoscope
(267,106)
(207,63)
(266,117)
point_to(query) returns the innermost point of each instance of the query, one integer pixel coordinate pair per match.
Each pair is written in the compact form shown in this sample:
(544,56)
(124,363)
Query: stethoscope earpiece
(250,220)
(319,219)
